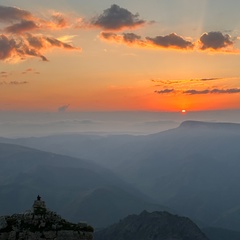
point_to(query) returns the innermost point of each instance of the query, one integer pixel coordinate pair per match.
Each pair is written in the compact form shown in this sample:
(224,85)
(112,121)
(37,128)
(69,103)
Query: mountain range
(76,188)
(193,168)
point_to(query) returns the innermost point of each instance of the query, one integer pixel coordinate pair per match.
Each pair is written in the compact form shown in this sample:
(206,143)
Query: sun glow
(183,111)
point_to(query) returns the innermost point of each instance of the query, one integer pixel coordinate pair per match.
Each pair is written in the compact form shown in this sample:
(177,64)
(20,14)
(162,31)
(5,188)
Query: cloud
(28,70)
(213,91)
(117,18)
(171,41)
(215,41)
(17,42)
(63,108)
(18,82)
(3,74)
(208,79)
(9,14)
(15,48)
(167,82)
(125,38)
(165,91)
(131,37)
(14,83)
(21,27)
(229,91)
(196,92)
(59,20)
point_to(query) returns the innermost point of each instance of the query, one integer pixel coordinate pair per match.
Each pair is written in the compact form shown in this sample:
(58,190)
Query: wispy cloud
(117,18)
(200,92)
(206,79)
(14,83)
(165,91)
(63,108)
(29,70)
(213,91)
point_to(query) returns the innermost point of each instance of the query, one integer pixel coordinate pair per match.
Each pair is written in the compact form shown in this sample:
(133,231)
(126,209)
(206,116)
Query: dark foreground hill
(152,226)
(75,188)
(41,223)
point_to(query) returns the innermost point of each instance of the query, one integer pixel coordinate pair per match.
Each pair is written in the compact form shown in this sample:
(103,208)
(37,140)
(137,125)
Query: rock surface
(39,224)
(152,226)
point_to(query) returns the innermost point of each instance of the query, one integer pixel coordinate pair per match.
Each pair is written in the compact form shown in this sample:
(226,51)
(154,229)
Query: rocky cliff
(40,223)
(152,226)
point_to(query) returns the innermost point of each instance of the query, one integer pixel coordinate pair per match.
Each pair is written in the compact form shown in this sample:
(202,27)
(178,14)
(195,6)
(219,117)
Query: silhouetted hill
(38,222)
(75,188)
(152,226)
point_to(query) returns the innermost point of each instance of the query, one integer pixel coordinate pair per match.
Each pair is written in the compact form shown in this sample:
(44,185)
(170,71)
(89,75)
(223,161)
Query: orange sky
(71,55)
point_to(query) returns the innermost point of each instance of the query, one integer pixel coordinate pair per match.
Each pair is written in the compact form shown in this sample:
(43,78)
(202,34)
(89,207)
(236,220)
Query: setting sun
(183,111)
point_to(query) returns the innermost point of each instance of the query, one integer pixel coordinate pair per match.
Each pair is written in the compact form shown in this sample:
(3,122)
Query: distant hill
(193,168)
(76,188)
(221,234)
(152,226)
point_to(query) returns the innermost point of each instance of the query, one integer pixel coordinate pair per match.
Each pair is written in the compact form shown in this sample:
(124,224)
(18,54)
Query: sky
(155,55)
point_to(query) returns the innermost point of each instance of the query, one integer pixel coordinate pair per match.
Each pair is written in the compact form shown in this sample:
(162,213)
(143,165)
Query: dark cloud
(213,91)
(165,91)
(108,35)
(63,108)
(21,27)
(3,74)
(117,18)
(8,14)
(131,37)
(209,79)
(7,47)
(18,82)
(230,91)
(196,92)
(215,40)
(171,41)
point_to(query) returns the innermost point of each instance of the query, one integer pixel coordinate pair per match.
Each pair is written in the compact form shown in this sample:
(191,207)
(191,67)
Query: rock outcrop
(40,223)
(152,226)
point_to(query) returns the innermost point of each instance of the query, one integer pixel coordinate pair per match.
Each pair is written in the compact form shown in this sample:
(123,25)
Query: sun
(183,111)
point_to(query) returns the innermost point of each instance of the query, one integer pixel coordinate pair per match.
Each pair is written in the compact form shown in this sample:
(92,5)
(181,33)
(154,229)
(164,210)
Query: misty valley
(131,186)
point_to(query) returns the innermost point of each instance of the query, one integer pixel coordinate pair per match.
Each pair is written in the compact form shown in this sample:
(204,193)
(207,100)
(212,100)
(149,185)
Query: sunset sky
(155,55)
